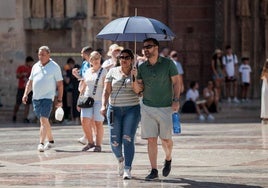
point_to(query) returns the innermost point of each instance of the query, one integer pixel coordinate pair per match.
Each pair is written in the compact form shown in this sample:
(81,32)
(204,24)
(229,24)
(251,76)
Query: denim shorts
(93,112)
(42,107)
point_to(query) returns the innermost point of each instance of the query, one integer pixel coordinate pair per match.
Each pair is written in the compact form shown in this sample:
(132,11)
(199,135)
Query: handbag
(85,102)
(88,102)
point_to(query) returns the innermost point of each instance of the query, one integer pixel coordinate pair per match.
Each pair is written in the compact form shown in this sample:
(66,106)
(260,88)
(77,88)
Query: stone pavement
(218,154)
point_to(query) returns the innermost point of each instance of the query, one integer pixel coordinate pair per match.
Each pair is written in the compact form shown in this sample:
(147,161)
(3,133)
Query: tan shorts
(156,122)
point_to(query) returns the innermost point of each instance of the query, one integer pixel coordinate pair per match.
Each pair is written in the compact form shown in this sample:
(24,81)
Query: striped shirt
(122,93)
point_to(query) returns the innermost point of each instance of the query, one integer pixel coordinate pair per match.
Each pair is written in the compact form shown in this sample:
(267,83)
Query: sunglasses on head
(148,46)
(125,57)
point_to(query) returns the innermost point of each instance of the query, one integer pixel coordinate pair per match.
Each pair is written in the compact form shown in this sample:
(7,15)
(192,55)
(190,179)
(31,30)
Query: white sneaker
(211,117)
(48,145)
(201,118)
(40,148)
(235,100)
(127,174)
(83,140)
(121,167)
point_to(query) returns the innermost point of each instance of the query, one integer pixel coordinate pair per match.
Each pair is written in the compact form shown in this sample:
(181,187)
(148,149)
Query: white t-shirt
(45,79)
(179,67)
(245,71)
(90,79)
(229,62)
(192,95)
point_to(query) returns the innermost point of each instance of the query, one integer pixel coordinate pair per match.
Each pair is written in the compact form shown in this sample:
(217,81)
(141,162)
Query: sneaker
(235,100)
(211,117)
(97,149)
(201,118)
(88,146)
(41,147)
(127,174)
(48,145)
(153,175)
(167,168)
(83,140)
(121,167)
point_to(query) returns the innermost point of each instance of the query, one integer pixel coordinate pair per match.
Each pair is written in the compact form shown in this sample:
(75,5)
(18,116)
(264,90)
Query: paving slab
(233,155)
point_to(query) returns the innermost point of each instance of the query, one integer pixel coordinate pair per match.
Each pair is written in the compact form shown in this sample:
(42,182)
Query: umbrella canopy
(135,28)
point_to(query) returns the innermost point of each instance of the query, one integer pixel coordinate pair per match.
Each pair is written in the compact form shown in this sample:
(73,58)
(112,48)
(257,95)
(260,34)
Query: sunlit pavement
(205,155)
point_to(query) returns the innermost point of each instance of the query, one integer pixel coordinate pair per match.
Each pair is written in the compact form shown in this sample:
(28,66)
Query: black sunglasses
(125,57)
(148,46)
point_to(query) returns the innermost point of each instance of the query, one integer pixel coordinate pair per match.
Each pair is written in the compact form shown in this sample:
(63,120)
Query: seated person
(193,104)
(211,96)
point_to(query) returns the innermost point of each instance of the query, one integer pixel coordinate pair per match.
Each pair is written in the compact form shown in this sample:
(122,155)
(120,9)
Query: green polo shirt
(158,90)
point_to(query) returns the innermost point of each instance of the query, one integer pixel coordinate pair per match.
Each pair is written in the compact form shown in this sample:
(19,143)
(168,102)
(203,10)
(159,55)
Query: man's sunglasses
(148,46)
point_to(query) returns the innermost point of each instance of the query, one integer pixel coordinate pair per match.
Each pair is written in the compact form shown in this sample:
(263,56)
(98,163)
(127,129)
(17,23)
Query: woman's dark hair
(192,84)
(215,57)
(129,52)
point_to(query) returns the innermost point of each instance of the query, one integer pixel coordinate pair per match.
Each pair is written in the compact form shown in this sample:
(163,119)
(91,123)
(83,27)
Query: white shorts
(156,122)
(93,112)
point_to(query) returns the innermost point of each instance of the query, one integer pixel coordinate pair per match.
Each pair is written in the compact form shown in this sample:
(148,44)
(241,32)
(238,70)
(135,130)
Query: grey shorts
(156,122)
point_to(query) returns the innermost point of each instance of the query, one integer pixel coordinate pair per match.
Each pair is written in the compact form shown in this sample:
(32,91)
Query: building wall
(66,26)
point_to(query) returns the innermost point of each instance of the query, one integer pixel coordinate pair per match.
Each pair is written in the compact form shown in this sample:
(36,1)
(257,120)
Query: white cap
(59,113)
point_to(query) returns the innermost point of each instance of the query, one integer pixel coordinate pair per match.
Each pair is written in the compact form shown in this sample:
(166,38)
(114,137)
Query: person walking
(92,86)
(113,53)
(45,79)
(23,72)
(123,111)
(160,79)
(264,94)
(79,74)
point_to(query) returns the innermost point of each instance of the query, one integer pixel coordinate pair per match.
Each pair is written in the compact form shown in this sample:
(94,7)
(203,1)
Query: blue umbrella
(135,28)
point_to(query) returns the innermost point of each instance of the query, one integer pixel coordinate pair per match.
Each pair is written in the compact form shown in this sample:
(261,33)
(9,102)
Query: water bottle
(176,123)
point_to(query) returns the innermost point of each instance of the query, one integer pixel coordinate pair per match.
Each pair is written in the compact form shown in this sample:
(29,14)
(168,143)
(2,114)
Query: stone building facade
(66,26)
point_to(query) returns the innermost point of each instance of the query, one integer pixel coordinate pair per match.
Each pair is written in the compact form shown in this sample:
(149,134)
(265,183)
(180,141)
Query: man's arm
(27,90)
(176,82)
(60,93)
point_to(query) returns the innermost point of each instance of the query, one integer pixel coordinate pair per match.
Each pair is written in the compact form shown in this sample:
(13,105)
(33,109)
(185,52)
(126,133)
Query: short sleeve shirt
(245,71)
(85,65)
(158,89)
(122,93)
(26,70)
(229,62)
(192,95)
(90,79)
(45,79)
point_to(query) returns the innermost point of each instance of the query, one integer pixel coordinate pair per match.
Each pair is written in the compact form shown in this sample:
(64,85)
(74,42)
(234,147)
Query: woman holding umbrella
(123,111)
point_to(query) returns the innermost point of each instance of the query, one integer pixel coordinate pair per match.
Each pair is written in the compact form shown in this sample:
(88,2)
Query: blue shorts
(93,113)
(42,107)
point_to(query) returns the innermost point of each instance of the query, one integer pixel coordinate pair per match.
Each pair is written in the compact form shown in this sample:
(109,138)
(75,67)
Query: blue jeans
(123,130)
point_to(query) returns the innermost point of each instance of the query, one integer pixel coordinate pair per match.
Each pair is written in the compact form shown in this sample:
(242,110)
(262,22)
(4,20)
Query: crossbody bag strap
(96,82)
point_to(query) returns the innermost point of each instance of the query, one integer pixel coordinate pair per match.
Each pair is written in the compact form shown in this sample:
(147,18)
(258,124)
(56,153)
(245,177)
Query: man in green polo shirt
(159,78)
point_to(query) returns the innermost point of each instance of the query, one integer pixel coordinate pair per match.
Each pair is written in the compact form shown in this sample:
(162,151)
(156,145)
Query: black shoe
(14,119)
(167,168)
(153,175)
(88,146)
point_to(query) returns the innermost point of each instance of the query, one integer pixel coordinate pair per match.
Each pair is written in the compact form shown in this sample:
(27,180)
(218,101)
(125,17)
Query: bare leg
(167,145)
(26,111)
(152,152)
(86,124)
(99,132)
(45,130)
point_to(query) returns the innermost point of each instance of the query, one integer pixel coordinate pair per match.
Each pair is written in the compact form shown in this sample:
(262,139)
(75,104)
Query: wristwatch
(176,100)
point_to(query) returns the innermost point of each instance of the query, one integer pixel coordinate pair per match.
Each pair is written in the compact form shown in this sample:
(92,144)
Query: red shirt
(23,73)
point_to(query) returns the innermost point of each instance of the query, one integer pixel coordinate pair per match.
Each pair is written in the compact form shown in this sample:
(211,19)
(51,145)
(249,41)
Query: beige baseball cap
(114,47)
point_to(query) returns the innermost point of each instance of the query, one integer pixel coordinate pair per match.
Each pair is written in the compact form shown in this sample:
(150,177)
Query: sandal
(97,149)
(88,146)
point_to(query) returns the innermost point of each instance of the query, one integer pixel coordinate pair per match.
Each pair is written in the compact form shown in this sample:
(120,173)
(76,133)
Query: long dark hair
(215,58)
